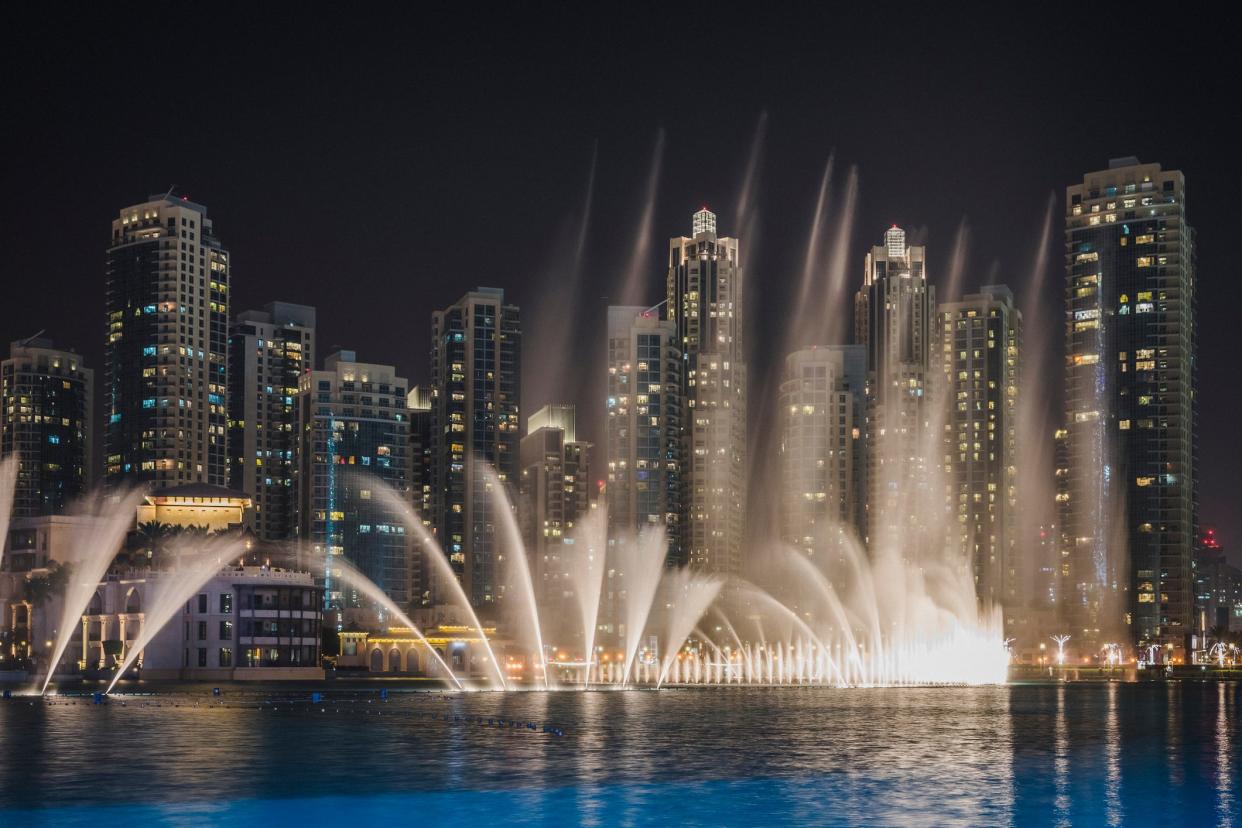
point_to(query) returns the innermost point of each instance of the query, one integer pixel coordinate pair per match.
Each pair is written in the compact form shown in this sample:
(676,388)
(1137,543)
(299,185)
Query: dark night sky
(379,167)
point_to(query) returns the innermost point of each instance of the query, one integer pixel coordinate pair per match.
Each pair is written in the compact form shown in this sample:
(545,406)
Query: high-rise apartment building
(980,340)
(476,351)
(354,433)
(46,409)
(823,465)
(643,481)
(705,302)
(165,361)
(269,350)
(895,319)
(1130,405)
(418,406)
(553,496)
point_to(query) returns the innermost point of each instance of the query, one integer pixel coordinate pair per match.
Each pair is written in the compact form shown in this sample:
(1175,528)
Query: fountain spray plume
(94,540)
(197,560)
(641,560)
(812,265)
(838,263)
(349,573)
(1033,428)
(555,321)
(8,485)
(750,180)
(586,573)
(952,290)
(446,579)
(690,594)
(518,562)
(639,267)
(587,203)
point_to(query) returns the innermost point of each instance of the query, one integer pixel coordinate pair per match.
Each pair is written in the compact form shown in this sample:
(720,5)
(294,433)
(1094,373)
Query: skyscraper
(980,336)
(1130,405)
(476,351)
(165,361)
(894,318)
(643,485)
(353,430)
(269,350)
(554,495)
(46,401)
(418,406)
(822,408)
(705,302)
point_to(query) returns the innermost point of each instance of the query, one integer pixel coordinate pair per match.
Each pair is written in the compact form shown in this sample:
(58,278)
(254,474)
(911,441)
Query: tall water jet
(641,560)
(446,578)
(8,485)
(750,179)
(951,291)
(555,321)
(94,540)
(1034,428)
(586,573)
(837,277)
(350,574)
(689,595)
(811,262)
(639,267)
(169,591)
(519,565)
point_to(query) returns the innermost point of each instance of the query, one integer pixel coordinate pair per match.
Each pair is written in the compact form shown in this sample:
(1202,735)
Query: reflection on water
(1036,754)
(1112,760)
(1061,762)
(1226,726)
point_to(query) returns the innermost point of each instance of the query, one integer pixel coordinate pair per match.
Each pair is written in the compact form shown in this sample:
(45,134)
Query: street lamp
(1060,640)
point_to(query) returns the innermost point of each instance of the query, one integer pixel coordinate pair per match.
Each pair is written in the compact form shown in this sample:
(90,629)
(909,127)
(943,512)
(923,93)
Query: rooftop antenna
(170,189)
(654,307)
(22,343)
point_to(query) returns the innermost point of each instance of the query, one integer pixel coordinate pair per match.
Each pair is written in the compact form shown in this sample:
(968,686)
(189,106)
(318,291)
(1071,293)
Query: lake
(1029,754)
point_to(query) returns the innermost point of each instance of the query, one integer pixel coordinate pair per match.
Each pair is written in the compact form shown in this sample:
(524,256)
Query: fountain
(350,574)
(690,594)
(195,562)
(8,484)
(641,560)
(518,564)
(446,579)
(586,573)
(94,540)
(638,268)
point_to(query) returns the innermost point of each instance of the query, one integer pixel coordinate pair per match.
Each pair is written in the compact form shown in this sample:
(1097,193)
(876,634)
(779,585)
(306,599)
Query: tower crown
(704,222)
(895,241)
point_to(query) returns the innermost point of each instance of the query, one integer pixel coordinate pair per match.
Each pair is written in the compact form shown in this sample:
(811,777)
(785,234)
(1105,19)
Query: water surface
(1076,754)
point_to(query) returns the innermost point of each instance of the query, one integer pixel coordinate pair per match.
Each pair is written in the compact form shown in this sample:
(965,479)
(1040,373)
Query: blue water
(1078,754)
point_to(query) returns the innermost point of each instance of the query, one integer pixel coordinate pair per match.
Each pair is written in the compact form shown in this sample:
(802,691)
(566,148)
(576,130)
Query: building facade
(553,496)
(1130,416)
(165,360)
(895,319)
(269,350)
(645,406)
(476,352)
(246,623)
(980,341)
(418,405)
(354,434)
(46,413)
(705,293)
(823,465)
